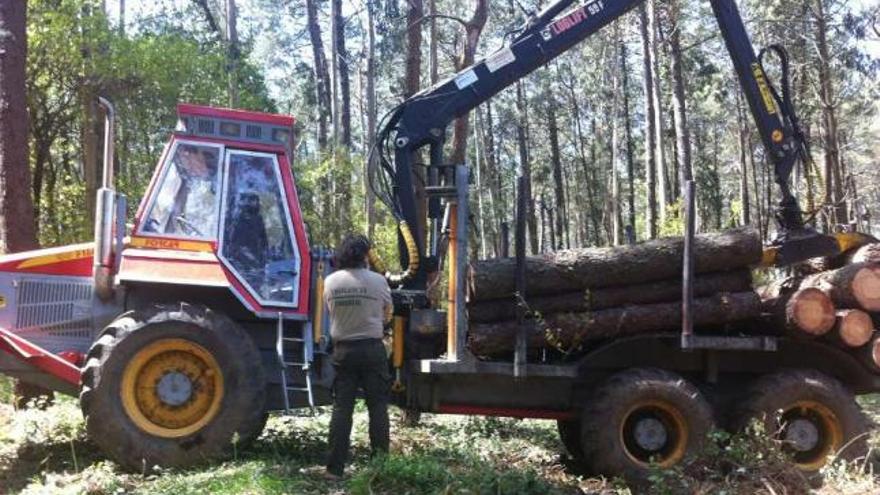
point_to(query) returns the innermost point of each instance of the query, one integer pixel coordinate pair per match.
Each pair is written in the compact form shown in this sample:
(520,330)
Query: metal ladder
(304,364)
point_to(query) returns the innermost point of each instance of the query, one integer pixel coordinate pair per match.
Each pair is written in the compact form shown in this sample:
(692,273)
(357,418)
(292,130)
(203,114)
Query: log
(854,327)
(869,253)
(855,286)
(611,297)
(578,269)
(567,331)
(870,354)
(797,312)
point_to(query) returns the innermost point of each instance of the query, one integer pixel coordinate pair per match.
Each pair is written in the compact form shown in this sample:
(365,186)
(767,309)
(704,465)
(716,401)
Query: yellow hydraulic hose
(412,252)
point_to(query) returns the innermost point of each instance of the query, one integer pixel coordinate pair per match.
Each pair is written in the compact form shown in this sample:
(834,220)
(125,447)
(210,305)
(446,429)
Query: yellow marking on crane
(764,88)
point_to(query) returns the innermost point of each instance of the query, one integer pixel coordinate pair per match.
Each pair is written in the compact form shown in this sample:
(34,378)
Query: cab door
(257,242)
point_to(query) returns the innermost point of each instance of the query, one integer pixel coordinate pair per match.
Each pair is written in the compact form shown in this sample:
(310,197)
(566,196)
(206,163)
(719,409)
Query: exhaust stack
(105,206)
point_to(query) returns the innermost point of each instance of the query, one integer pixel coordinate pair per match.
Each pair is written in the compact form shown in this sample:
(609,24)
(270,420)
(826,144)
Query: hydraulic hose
(412,252)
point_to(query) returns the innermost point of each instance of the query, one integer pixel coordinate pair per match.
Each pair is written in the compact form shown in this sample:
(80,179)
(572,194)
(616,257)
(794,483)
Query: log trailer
(183,332)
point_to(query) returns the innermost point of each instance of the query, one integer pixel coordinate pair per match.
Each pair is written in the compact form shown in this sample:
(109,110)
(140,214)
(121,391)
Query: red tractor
(161,380)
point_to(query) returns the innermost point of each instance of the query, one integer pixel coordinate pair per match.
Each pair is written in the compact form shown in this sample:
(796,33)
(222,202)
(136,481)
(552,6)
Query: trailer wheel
(172,386)
(643,417)
(812,414)
(570,434)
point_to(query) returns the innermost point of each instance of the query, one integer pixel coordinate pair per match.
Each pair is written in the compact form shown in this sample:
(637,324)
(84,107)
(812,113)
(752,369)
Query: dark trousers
(359,364)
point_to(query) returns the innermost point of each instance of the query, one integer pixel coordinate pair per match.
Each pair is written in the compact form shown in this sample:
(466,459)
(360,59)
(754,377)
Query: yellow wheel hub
(654,431)
(172,388)
(811,432)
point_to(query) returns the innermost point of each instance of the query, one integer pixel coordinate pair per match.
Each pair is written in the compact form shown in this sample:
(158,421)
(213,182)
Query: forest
(608,135)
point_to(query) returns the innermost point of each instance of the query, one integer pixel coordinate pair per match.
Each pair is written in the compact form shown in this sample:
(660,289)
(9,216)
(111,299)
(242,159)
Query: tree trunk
(343,75)
(650,133)
(656,96)
(322,74)
(855,286)
(473,29)
(578,269)
(522,138)
(556,163)
(679,105)
(611,297)
(745,217)
(233,52)
(833,183)
(372,118)
(567,331)
(628,141)
(17,226)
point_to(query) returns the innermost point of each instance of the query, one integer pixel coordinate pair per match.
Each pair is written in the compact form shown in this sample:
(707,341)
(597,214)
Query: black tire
(834,421)
(570,435)
(237,415)
(673,417)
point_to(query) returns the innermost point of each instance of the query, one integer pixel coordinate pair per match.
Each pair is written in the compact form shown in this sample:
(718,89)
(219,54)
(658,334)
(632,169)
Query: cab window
(187,201)
(257,239)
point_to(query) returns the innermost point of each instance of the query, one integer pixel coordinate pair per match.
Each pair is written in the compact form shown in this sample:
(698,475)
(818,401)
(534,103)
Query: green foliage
(6,386)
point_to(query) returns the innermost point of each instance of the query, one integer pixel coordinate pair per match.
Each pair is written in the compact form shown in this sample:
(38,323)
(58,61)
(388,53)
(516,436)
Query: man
(359,303)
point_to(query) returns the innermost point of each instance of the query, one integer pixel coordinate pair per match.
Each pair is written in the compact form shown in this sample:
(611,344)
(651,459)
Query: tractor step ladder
(300,361)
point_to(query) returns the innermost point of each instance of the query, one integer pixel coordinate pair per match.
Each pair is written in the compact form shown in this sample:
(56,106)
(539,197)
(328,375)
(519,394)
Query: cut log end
(866,288)
(854,327)
(811,311)
(875,352)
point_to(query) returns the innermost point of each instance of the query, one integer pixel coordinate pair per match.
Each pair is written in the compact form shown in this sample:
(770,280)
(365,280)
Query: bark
(659,150)
(833,183)
(342,71)
(473,29)
(628,140)
(567,331)
(413,64)
(869,253)
(650,133)
(372,119)
(578,269)
(17,226)
(556,163)
(794,311)
(855,286)
(522,138)
(611,297)
(679,105)
(745,215)
(233,52)
(322,74)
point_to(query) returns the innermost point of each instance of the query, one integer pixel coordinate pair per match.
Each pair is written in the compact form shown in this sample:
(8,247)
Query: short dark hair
(352,251)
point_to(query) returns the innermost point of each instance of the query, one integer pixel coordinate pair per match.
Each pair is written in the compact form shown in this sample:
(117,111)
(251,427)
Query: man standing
(359,303)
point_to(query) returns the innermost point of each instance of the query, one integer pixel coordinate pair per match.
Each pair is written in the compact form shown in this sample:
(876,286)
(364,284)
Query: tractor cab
(222,208)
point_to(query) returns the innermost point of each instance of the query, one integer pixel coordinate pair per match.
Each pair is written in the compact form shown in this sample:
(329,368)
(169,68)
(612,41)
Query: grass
(47,452)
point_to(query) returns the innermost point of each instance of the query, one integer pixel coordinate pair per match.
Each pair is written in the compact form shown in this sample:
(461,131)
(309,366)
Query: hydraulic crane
(422,120)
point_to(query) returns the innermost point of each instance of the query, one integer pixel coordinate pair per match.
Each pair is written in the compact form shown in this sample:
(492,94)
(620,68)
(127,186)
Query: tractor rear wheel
(172,386)
(812,414)
(641,418)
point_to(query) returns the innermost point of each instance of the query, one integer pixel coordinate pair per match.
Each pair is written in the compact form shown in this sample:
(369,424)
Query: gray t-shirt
(359,302)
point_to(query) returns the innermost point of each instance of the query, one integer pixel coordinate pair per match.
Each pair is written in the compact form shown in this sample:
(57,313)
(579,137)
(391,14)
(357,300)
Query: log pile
(582,295)
(575,296)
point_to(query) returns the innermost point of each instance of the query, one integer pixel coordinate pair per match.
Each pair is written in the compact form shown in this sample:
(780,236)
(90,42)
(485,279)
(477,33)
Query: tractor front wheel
(172,386)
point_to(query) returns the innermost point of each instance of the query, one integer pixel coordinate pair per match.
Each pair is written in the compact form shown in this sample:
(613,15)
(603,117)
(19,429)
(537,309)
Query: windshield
(187,201)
